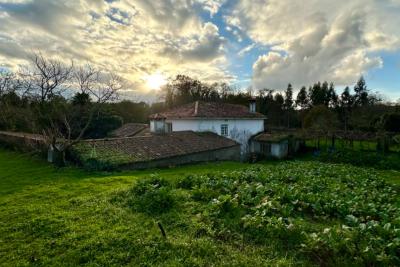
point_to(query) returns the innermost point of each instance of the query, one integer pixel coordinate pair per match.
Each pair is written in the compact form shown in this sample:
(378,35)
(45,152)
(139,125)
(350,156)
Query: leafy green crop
(329,214)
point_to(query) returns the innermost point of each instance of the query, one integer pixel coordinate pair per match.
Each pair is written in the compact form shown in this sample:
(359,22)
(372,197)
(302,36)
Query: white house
(236,122)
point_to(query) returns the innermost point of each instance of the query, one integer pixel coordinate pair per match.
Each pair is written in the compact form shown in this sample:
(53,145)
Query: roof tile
(200,109)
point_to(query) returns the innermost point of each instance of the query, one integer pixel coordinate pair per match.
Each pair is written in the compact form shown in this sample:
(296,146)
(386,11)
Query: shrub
(151,195)
(367,159)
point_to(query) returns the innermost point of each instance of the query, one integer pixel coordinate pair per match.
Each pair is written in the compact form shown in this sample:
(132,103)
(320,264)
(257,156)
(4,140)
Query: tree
(6,86)
(279,101)
(321,119)
(184,89)
(45,81)
(318,94)
(346,104)
(332,97)
(361,93)
(8,82)
(302,100)
(390,122)
(288,103)
(45,78)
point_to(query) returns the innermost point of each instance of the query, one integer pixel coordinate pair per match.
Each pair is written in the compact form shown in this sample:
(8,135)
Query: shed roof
(200,109)
(129,129)
(156,146)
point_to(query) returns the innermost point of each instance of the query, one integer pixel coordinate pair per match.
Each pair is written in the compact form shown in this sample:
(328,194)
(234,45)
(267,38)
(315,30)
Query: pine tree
(302,100)
(288,103)
(361,92)
(346,104)
(279,103)
(325,93)
(318,94)
(332,96)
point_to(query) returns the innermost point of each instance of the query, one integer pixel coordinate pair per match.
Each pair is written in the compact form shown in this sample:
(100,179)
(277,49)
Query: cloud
(212,6)
(208,46)
(246,50)
(306,40)
(317,40)
(132,38)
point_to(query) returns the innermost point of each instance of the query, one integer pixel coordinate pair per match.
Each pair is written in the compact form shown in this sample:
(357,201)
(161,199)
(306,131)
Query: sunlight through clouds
(273,42)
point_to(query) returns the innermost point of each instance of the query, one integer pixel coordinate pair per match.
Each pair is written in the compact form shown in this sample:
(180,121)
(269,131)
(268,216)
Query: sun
(155,81)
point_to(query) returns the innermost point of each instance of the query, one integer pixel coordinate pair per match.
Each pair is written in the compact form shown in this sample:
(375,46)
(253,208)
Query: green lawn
(326,143)
(67,217)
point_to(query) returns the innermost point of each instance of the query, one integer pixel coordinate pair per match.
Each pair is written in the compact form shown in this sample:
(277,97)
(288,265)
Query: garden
(303,213)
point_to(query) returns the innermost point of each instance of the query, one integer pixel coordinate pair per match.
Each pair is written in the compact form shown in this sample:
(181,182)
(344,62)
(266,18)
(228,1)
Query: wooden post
(162,230)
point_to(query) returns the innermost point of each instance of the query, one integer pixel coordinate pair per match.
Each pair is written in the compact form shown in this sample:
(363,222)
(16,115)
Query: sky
(258,43)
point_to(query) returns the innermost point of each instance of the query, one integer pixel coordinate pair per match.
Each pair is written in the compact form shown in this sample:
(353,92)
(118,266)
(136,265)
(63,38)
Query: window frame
(224,129)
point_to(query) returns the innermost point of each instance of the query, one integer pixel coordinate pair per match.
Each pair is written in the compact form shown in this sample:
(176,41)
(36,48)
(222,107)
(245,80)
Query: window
(168,126)
(224,129)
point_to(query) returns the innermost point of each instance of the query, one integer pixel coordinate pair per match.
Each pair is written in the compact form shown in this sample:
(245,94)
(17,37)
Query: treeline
(74,102)
(319,106)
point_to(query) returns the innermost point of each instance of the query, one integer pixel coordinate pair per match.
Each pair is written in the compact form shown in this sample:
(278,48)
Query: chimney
(252,105)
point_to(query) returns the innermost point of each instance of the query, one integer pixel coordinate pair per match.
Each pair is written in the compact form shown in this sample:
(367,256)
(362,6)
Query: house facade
(236,122)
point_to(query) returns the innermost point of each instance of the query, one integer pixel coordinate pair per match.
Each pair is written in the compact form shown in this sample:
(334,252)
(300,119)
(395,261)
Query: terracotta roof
(129,129)
(152,147)
(200,109)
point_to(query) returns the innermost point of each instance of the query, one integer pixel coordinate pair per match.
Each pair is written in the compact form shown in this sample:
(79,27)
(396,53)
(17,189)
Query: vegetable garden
(298,213)
(323,214)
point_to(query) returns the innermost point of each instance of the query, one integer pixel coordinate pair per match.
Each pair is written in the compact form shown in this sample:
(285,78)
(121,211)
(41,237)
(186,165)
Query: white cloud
(317,39)
(246,49)
(212,6)
(133,38)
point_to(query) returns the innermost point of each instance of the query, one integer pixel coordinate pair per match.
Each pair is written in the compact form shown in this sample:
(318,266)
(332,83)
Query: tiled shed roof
(129,129)
(152,147)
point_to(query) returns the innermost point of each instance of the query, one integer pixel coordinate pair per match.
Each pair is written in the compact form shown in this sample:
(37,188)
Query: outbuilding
(275,145)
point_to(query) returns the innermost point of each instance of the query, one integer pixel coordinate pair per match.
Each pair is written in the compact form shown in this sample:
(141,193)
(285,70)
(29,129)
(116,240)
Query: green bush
(364,158)
(152,196)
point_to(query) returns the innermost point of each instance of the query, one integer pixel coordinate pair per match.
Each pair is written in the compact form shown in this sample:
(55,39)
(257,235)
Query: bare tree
(49,82)
(45,78)
(7,82)
(86,77)
(100,88)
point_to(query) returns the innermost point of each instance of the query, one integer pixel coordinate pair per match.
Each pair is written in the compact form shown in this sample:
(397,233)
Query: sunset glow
(155,81)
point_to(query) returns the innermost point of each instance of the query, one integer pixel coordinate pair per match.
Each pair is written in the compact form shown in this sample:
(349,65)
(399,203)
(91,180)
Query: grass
(326,143)
(68,217)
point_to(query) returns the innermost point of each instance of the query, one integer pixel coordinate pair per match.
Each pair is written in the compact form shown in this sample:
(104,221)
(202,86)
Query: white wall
(239,130)
(157,126)
(279,150)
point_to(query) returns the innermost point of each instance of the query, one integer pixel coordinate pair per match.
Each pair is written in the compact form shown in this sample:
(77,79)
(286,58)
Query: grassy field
(326,143)
(228,214)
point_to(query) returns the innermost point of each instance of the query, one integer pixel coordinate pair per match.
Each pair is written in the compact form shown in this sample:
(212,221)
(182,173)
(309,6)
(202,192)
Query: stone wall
(23,142)
(225,154)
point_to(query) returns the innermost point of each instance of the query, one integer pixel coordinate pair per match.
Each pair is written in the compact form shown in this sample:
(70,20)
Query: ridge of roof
(202,109)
